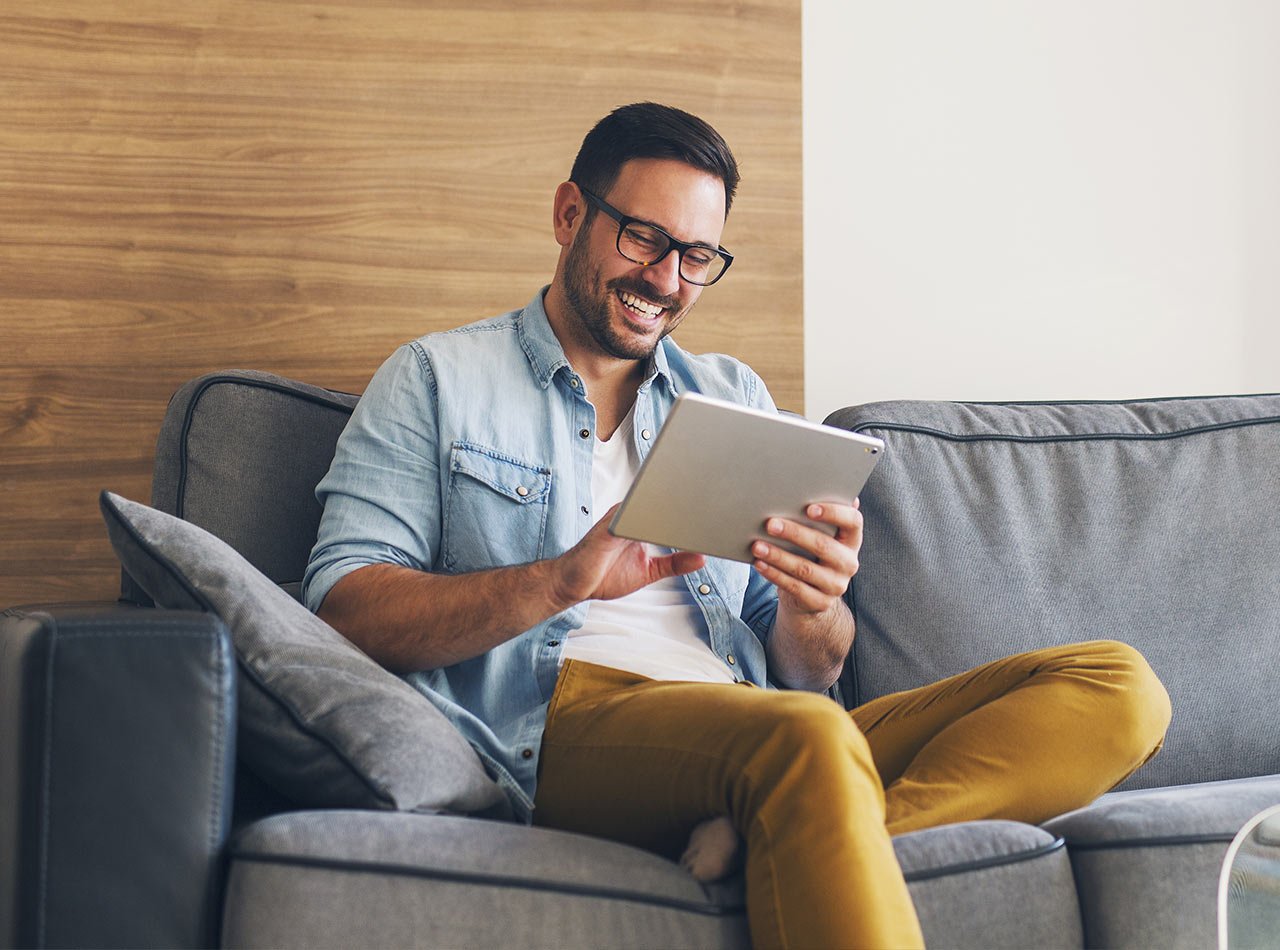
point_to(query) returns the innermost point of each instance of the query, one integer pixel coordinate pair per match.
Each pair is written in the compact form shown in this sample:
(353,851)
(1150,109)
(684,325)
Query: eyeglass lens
(645,244)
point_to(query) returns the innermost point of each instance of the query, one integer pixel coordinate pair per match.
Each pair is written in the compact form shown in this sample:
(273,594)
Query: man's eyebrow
(667,232)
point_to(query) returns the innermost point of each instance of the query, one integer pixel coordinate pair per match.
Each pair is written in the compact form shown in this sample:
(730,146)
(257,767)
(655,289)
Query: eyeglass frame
(672,244)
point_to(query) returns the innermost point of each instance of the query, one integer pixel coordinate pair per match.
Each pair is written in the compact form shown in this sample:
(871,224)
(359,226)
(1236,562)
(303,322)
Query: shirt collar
(659,369)
(546,355)
(539,342)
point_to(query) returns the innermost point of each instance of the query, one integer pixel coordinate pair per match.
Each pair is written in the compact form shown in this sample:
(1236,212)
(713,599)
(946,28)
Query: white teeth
(643,306)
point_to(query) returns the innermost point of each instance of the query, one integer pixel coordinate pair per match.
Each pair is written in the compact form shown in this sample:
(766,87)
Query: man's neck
(610,382)
(613,395)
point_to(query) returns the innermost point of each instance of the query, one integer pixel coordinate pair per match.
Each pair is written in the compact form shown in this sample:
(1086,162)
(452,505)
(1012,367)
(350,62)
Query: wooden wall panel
(299,187)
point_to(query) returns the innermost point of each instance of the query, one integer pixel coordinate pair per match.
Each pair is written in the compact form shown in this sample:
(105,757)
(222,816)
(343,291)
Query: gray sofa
(128,818)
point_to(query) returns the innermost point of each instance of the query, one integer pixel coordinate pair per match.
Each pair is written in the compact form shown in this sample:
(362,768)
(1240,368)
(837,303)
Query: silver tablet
(718,470)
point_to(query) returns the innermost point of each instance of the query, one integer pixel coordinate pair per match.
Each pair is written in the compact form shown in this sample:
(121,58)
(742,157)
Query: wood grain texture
(299,187)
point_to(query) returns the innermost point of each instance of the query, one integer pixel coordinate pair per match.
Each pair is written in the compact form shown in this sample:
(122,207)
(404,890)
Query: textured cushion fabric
(991,884)
(377,879)
(1163,895)
(1138,854)
(1205,811)
(240,453)
(318,719)
(342,879)
(996,528)
(954,849)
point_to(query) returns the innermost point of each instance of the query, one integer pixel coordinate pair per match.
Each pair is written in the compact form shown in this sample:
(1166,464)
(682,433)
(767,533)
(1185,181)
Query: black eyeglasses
(643,243)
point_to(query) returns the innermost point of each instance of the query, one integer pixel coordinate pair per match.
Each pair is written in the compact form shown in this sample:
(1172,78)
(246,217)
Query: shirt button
(574,382)
(704,589)
(526,753)
(645,434)
(584,510)
(584,433)
(522,491)
(730,659)
(553,643)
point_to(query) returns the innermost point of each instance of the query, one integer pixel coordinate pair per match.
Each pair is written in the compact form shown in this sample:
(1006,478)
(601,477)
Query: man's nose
(664,275)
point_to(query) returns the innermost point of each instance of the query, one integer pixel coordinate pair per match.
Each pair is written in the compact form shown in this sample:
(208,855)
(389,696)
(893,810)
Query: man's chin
(633,344)
(635,350)
(635,338)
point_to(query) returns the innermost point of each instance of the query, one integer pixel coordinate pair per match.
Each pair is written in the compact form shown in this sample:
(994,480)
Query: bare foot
(714,851)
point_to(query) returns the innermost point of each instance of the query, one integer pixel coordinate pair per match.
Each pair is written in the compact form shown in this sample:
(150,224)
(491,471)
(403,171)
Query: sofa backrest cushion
(240,453)
(997,528)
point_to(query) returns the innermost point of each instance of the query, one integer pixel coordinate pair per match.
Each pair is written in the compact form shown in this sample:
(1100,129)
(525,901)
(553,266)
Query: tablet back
(718,470)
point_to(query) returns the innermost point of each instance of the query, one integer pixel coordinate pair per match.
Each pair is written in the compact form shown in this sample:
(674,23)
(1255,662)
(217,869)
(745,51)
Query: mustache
(641,290)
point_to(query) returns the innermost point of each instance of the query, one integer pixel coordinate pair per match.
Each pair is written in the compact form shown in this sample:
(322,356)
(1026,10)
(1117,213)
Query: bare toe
(714,850)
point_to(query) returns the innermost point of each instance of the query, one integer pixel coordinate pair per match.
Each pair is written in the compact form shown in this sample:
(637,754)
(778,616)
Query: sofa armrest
(116,757)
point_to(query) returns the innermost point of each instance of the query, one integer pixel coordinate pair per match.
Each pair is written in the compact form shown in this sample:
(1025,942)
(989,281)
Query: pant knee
(812,717)
(810,733)
(1139,710)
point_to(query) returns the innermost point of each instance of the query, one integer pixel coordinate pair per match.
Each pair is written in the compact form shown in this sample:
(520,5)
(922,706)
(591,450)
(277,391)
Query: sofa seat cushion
(377,879)
(318,719)
(1150,817)
(954,873)
(1139,854)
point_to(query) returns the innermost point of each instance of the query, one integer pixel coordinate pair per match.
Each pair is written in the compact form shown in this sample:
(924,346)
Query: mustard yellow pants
(817,792)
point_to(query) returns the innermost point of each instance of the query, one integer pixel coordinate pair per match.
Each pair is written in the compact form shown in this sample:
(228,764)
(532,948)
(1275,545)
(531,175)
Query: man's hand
(805,586)
(814,629)
(604,567)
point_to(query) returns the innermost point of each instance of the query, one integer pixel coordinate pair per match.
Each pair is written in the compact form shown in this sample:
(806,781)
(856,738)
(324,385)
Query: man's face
(623,307)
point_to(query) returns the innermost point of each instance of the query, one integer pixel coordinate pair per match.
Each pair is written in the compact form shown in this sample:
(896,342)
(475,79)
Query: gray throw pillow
(318,719)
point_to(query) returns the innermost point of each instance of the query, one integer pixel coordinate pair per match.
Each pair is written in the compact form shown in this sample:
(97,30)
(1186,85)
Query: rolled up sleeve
(381,496)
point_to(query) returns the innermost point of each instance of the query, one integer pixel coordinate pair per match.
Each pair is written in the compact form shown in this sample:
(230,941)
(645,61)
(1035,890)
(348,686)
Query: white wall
(1040,200)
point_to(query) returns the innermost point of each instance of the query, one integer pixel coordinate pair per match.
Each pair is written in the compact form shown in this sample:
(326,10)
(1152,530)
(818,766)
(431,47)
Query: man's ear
(568,212)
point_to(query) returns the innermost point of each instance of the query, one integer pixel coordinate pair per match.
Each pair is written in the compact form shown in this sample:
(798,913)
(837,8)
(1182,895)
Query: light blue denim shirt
(472,449)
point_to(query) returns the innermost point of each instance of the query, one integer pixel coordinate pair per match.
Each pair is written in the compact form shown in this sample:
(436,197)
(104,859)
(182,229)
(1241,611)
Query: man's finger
(822,578)
(833,552)
(840,516)
(806,596)
(686,562)
(846,519)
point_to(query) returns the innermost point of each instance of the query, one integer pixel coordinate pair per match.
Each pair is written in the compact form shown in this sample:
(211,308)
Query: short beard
(589,303)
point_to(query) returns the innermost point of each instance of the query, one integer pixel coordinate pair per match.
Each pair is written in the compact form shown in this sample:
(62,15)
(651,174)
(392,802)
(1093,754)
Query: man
(624,691)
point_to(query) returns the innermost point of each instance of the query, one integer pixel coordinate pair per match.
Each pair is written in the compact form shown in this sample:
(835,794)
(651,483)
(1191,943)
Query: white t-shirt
(658,631)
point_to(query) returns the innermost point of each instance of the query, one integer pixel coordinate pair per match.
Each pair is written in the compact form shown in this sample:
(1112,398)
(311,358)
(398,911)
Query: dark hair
(650,130)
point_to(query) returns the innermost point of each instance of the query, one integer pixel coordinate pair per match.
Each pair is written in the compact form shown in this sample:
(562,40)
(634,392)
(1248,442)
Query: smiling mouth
(639,307)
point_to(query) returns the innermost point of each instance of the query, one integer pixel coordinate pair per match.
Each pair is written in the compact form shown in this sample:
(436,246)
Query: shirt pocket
(496,509)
